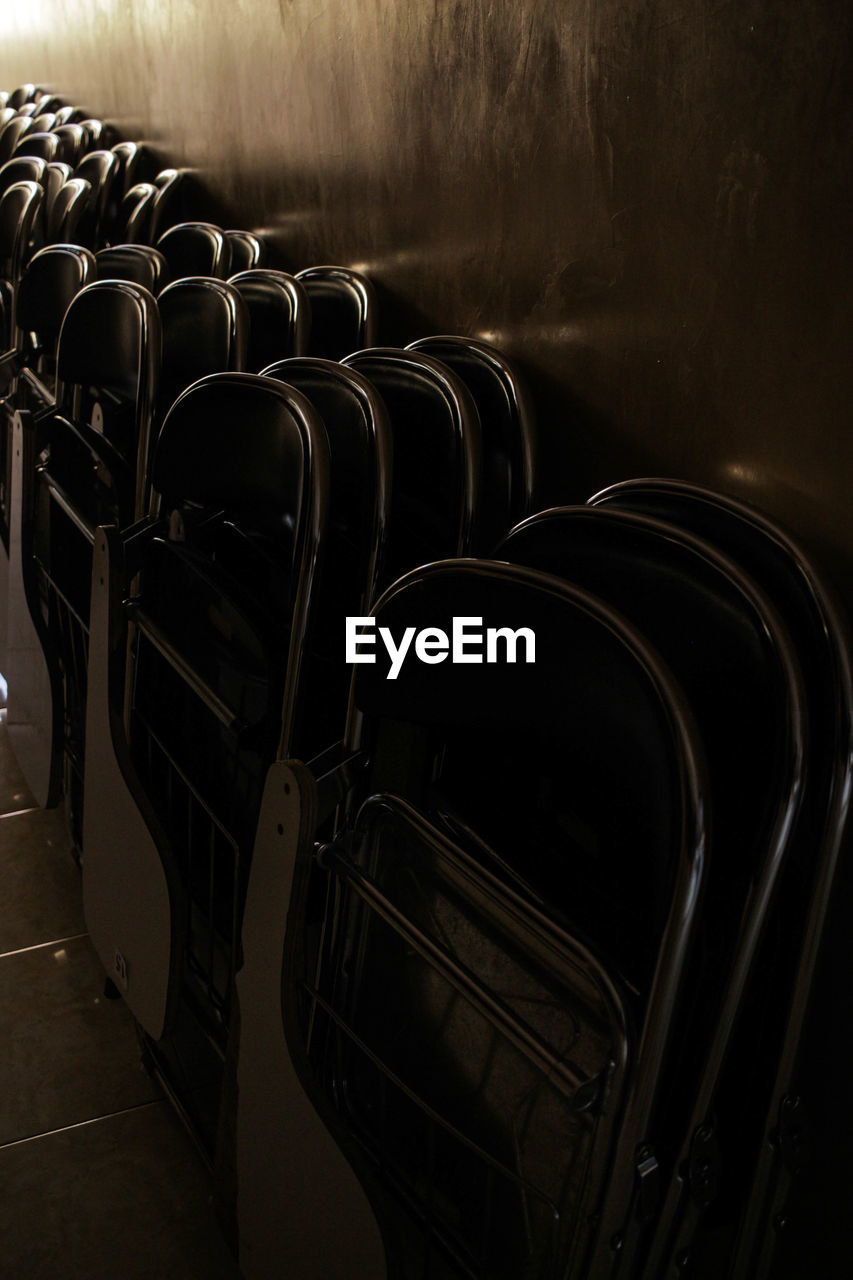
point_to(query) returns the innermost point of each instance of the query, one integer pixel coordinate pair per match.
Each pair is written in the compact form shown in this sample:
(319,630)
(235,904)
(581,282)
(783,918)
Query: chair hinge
(647,1171)
(793,1136)
(704,1165)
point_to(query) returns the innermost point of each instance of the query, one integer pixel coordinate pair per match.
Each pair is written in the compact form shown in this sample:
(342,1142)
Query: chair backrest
(508,427)
(204,331)
(135,165)
(137,262)
(107,372)
(69,115)
(607,741)
(101,170)
(279,316)
(360,462)
(44,145)
(437,456)
(133,220)
(97,134)
(22,95)
(72,143)
(44,121)
(196,249)
(51,279)
(19,208)
(49,102)
(69,217)
(252,451)
(11,134)
(22,169)
(173,201)
(732,655)
(343,310)
(821,639)
(247,251)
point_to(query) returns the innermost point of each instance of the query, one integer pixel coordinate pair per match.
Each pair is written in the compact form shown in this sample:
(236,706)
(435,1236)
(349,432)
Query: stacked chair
(489,952)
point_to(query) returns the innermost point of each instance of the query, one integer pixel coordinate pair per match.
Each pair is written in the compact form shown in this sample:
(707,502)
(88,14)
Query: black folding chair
(196,249)
(247,251)
(11,134)
(52,278)
(101,170)
(69,216)
(479,1005)
(44,146)
(508,426)
(343,310)
(93,451)
(19,209)
(174,198)
(139,263)
(133,219)
(224,575)
(279,316)
(769,1176)
(22,169)
(733,657)
(23,94)
(204,331)
(354,548)
(49,282)
(437,456)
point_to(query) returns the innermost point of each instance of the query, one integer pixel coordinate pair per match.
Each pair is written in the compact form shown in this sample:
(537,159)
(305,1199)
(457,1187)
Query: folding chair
(68,114)
(93,450)
(22,95)
(465,1008)
(11,134)
(360,458)
(204,331)
(101,170)
(279,316)
(508,425)
(133,219)
(175,196)
(196,249)
(22,169)
(49,282)
(70,215)
(44,121)
(437,456)
(734,659)
(52,278)
(224,573)
(770,1175)
(139,263)
(247,251)
(343,310)
(73,141)
(44,146)
(19,208)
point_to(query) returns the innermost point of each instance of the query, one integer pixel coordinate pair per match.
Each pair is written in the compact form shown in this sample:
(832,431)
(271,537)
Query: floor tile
(68,1054)
(40,891)
(14,792)
(125,1198)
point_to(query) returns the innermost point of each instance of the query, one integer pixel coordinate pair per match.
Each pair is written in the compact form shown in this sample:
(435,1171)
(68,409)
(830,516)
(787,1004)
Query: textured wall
(648,203)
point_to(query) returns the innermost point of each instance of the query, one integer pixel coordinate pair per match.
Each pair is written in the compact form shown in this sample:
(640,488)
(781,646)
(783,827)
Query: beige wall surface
(646,202)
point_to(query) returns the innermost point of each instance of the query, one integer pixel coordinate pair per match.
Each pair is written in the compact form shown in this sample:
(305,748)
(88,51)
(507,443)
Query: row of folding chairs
(478,968)
(546,983)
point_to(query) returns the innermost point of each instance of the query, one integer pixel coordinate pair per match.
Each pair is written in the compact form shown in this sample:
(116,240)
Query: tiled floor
(98,1180)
